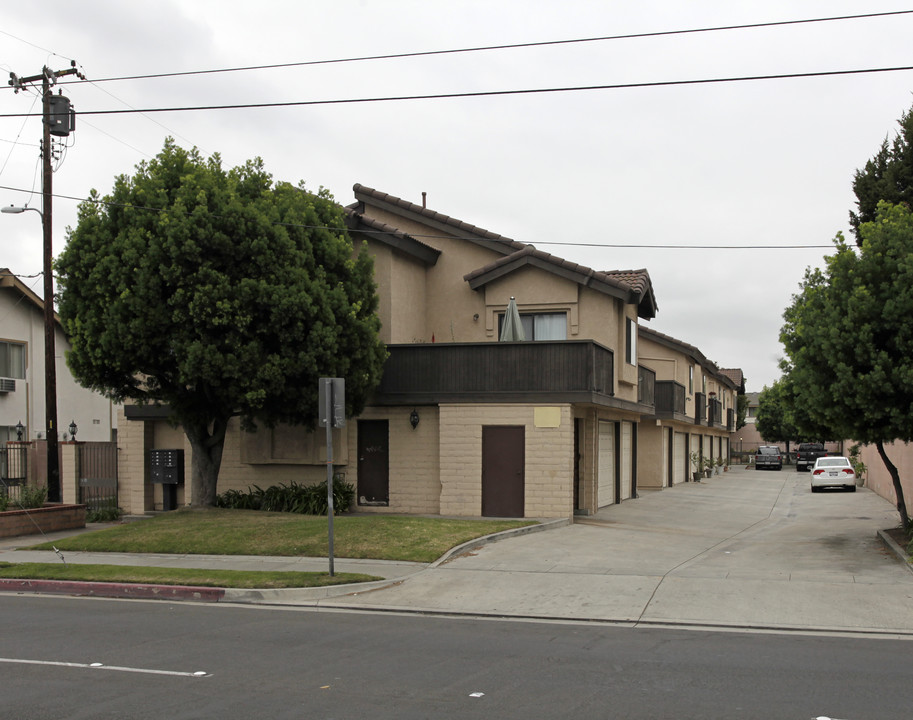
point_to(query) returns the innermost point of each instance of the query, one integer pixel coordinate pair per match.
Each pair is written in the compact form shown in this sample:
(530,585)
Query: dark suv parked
(768,456)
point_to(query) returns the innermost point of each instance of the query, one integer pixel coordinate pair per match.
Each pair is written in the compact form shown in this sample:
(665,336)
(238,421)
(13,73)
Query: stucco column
(69,472)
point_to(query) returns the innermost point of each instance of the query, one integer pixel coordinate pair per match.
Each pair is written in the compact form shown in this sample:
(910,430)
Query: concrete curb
(284,596)
(114,590)
(292,596)
(896,549)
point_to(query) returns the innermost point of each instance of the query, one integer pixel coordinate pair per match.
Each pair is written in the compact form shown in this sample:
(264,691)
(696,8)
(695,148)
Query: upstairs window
(541,326)
(12,360)
(630,341)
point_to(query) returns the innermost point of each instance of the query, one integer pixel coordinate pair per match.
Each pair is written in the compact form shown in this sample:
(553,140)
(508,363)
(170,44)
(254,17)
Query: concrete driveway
(745,549)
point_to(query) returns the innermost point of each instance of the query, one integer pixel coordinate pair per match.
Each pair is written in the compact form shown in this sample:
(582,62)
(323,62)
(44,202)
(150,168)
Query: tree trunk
(898,488)
(207,440)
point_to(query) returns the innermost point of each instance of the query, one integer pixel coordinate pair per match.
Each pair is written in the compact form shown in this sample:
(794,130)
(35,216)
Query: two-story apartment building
(695,406)
(463,424)
(22,383)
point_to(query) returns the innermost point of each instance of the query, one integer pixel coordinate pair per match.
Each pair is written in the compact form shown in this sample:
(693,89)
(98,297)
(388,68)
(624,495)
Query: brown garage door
(503,466)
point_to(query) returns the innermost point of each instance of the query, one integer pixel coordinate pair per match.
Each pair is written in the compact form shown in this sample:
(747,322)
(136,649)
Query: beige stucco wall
(548,459)
(877,477)
(94,415)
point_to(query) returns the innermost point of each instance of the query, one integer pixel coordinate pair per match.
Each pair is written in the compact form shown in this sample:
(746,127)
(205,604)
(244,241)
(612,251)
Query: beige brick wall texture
(548,459)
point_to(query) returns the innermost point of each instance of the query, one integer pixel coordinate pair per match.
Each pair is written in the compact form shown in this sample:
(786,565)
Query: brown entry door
(373,462)
(503,461)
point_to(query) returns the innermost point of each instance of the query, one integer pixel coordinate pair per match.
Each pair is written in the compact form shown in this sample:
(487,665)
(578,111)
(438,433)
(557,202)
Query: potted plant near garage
(697,467)
(708,467)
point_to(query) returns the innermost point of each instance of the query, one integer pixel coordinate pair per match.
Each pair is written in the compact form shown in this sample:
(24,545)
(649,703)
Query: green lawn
(216,531)
(177,576)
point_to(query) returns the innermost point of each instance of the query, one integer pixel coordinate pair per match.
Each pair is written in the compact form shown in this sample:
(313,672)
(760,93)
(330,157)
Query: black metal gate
(14,469)
(98,476)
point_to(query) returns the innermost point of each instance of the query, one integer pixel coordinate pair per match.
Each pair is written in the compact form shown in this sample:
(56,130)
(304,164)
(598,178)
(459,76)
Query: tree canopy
(219,294)
(849,340)
(774,418)
(888,176)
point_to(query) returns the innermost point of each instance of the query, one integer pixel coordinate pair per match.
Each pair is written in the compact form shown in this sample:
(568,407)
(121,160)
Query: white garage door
(627,444)
(606,469)
(679,471)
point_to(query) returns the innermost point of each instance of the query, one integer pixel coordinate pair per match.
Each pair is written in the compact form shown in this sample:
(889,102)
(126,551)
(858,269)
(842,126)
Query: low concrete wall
(49,518)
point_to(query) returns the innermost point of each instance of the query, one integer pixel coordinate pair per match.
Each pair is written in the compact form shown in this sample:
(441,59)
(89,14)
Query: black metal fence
(14,470)
(98,476)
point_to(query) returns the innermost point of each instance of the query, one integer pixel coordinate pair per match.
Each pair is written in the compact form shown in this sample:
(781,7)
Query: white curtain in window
(551,326)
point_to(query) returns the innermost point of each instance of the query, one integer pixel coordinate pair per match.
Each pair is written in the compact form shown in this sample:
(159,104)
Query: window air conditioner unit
(7,385)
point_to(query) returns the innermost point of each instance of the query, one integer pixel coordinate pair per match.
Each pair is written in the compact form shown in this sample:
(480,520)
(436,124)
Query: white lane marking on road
(102,666)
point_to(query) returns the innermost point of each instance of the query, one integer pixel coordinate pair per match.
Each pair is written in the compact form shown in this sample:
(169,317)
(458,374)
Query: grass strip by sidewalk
(260,580)
(218,531)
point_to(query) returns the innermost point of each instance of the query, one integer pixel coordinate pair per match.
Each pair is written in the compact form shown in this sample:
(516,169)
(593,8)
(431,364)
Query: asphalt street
(743,549)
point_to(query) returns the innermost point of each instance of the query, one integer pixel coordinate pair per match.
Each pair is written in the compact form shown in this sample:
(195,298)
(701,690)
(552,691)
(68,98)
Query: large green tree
(887,176)
(218,294)
(848,338)
(774,419)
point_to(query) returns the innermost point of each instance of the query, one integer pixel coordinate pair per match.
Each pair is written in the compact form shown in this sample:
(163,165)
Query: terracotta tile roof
(637,279)
(633,286)
(454,226)
(389,235)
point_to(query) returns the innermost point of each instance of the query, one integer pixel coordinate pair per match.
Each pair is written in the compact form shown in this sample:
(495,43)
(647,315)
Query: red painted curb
(114,590)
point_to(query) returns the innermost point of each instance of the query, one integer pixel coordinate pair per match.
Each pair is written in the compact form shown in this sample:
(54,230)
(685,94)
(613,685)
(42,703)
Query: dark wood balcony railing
(646,385)
(670,398)
(714,412)
(700,408)
(577,370)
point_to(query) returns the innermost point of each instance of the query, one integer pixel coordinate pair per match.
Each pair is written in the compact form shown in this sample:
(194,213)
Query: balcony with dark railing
(559,371)
(715,413)
(700,408)
(670,400)
(646,386)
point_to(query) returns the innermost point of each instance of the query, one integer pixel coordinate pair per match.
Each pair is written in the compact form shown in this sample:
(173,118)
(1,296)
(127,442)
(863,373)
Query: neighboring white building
(22,397)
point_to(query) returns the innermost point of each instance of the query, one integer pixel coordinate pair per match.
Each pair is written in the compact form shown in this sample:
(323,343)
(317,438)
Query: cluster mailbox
(166,468)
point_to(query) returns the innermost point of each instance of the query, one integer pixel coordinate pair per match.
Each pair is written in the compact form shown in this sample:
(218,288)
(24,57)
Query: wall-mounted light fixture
(413,419)
(476,317)
(73,429)
(19,430)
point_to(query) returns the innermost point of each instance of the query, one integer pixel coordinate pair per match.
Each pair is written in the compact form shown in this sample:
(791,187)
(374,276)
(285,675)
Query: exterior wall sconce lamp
(413,419)
(73,429)
(19,429)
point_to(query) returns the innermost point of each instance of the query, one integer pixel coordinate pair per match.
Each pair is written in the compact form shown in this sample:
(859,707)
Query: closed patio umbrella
(512,328)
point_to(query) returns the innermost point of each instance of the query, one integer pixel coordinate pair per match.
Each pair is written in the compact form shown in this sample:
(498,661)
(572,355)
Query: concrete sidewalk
(745,549)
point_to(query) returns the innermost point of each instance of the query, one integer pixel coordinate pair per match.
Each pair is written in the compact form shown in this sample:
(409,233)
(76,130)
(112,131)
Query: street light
(50,363)
(15,209)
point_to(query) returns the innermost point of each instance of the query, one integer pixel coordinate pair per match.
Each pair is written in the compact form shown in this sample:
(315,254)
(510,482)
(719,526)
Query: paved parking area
(742,549)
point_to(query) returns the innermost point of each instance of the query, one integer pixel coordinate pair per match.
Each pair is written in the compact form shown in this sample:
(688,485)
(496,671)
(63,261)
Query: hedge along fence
(293,498)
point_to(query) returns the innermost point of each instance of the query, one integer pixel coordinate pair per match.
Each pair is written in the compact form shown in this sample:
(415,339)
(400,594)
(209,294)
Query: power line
(488,93)
(429,236)
(512,46)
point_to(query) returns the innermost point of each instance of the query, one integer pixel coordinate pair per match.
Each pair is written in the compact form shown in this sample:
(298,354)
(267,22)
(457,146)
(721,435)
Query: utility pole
(59,124)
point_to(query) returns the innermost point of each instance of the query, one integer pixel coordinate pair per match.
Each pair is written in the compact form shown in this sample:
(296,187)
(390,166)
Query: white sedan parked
(833,471)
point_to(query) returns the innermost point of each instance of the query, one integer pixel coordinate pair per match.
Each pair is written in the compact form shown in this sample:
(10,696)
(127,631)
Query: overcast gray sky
(756,164)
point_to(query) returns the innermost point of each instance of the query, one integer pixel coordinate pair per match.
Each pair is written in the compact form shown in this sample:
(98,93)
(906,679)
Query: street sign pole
(328,408)
(331,393)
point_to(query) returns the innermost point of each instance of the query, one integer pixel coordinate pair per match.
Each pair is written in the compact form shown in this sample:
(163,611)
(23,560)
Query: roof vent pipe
(424,200)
